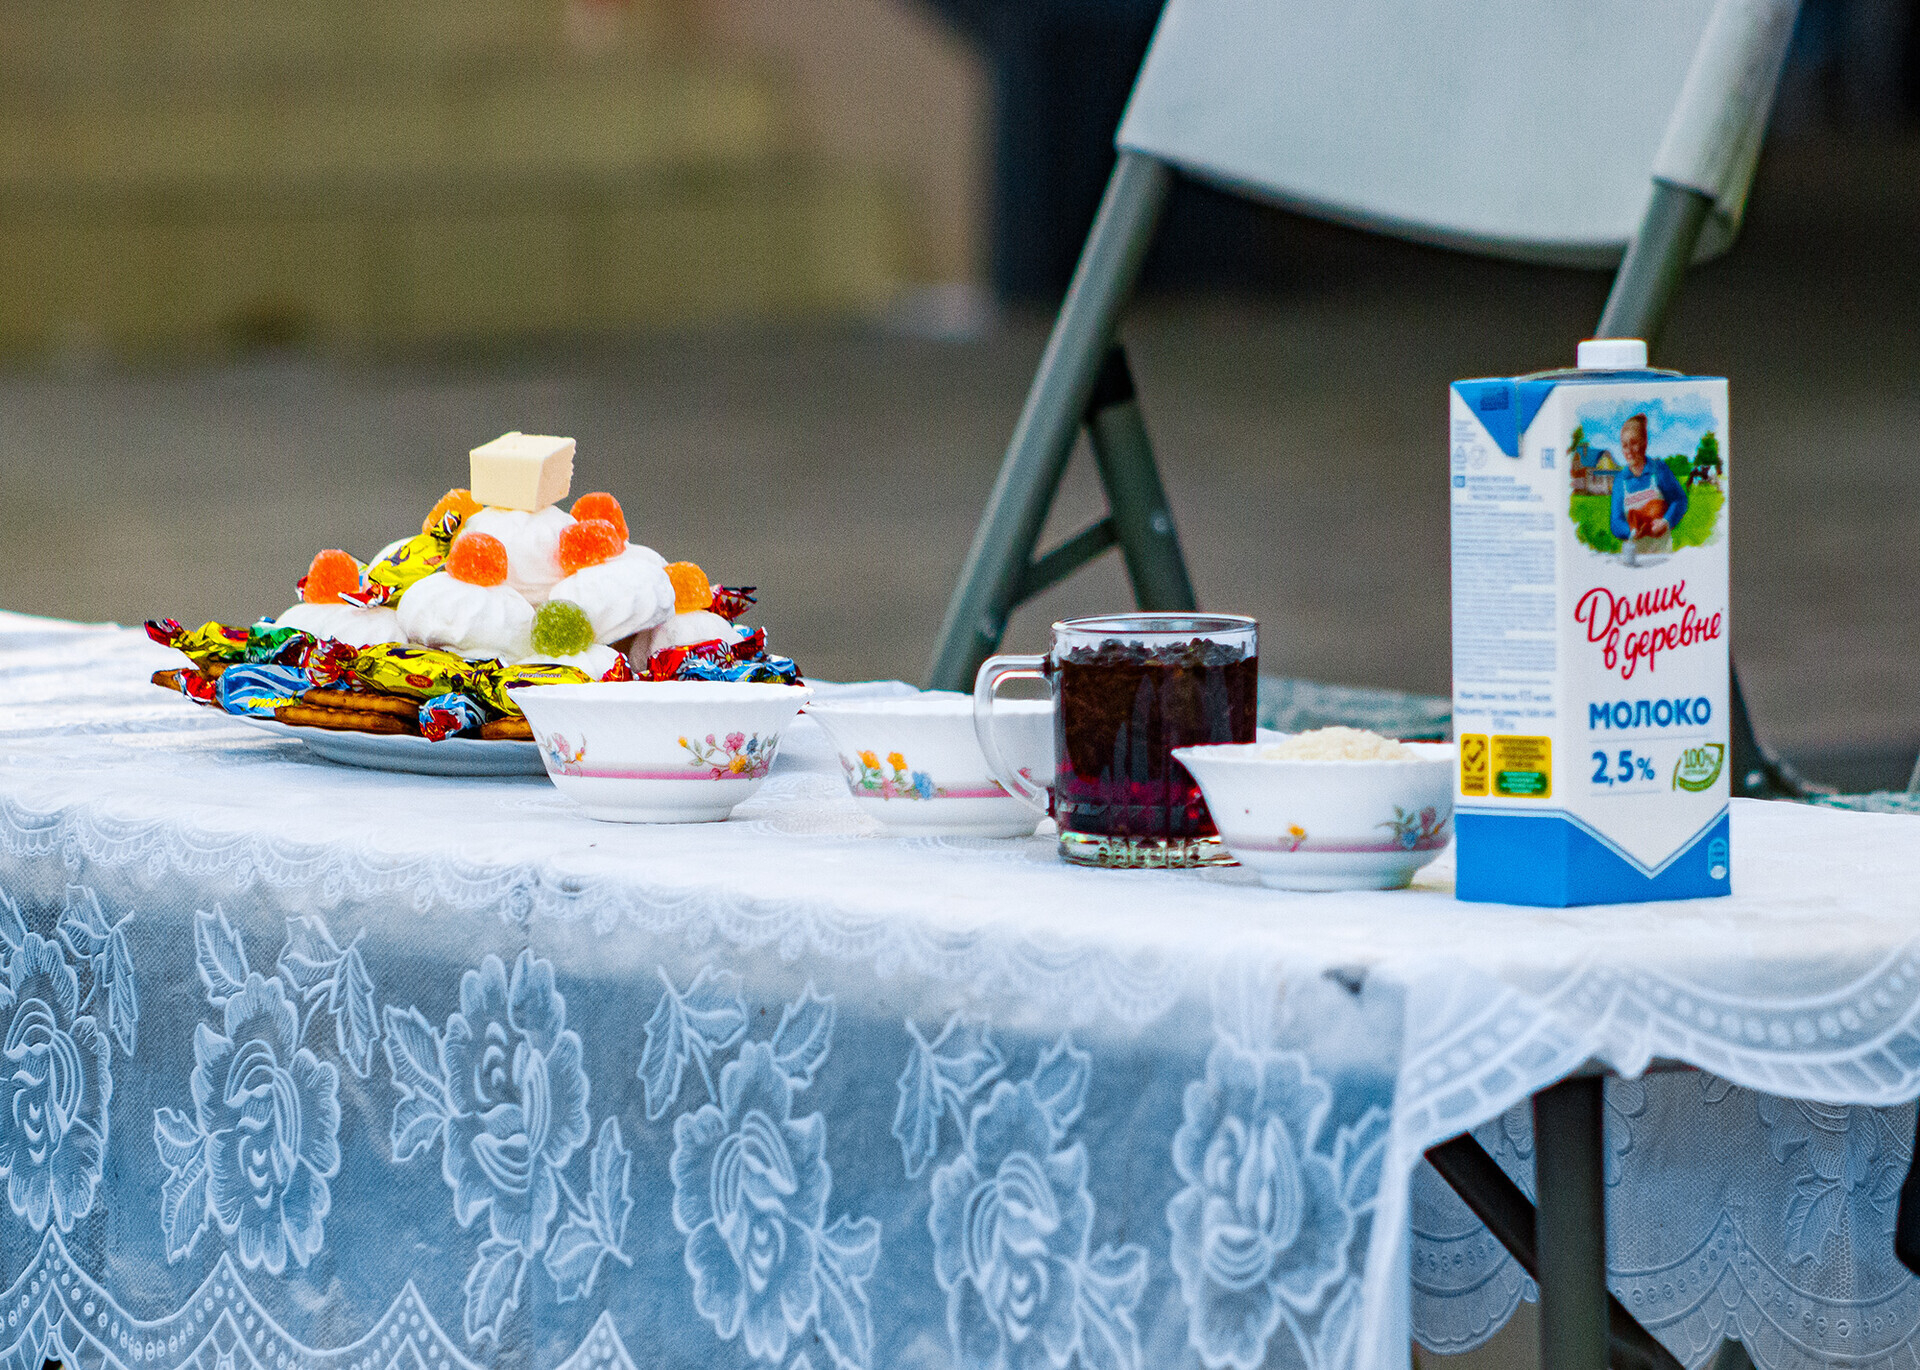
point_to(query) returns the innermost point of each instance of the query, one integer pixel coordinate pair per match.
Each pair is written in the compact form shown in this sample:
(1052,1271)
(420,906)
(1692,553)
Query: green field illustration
(1593,470)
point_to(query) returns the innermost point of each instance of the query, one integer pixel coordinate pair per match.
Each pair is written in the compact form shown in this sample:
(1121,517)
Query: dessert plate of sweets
(406,661)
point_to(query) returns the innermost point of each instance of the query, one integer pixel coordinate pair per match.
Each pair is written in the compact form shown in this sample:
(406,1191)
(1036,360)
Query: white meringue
(473,620)
(623,596)
(532,541)
(698,625)
(596,661)
(348,623)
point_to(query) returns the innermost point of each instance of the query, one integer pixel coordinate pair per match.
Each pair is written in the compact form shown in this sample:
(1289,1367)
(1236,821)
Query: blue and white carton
(1590,627)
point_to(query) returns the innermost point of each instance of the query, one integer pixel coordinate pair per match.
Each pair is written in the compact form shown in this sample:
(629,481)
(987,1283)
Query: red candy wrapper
(188,682)
(716,652)
(329,663)
(731,601)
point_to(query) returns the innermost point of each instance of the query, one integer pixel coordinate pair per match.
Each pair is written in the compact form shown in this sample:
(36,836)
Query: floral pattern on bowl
(565,757)
(737,756)
(895,780)
(1427,830)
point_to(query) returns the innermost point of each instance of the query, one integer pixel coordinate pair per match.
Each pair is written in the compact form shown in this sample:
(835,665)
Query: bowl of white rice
(1332,809)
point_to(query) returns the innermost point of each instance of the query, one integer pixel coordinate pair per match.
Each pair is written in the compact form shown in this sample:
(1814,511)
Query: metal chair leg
(1499,1203)
(1142,520)
(1037,456)
(1649,276)
(1569,1181)
(1731,1356)
(1643,290)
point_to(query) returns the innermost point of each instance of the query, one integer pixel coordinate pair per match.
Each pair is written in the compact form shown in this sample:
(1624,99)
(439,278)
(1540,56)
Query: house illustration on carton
(1592,469)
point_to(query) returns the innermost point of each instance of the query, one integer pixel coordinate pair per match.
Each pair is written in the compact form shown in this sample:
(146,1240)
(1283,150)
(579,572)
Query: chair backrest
(1519,128)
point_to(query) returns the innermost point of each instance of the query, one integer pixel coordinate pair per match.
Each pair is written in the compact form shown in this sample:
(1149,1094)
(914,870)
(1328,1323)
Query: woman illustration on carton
(1648,500)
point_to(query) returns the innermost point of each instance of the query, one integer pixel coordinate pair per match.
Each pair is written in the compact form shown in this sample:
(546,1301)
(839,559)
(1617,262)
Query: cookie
(507,730)
(343,720)
(357,701)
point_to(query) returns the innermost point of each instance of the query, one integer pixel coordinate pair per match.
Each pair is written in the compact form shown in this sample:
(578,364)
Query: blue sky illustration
(1674,427)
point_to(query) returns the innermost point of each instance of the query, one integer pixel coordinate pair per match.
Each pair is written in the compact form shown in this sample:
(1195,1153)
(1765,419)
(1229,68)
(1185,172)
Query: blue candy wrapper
(760,670)
(450,715)
(259,690)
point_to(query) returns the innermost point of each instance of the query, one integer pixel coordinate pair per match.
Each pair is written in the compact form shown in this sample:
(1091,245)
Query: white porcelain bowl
(1328,825)
(674,751)
(914,762)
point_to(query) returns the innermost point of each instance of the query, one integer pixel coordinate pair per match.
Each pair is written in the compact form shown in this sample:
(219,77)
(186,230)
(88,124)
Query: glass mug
(1127,689)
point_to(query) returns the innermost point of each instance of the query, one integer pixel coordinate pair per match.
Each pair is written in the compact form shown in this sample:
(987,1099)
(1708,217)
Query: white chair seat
(1511,127)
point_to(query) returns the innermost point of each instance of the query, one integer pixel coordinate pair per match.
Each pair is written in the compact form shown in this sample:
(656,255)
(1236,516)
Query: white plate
(401,752)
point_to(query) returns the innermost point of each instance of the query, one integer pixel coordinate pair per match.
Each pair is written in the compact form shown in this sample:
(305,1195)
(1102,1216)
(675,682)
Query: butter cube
(522,471)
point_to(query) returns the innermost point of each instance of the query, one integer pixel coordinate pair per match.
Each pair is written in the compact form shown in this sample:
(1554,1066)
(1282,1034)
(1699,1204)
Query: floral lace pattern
(59,1080)
(311,1067)
(1012,1217)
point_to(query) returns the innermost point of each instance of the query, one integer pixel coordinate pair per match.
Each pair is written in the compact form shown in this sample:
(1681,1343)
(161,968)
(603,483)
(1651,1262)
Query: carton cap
(1613,354)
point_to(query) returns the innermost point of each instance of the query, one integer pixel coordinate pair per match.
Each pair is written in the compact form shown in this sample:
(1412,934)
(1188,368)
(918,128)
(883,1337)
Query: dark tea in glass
(1128,689)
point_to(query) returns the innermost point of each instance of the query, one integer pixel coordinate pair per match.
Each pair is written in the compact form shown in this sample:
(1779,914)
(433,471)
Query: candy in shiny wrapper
(668,664)
(410,561)
(259,690)
(746,660)
(195,685)
(328,663)
(416,672)
(763,670)
(220,643)
(731,601)
(450,715)
(494,683)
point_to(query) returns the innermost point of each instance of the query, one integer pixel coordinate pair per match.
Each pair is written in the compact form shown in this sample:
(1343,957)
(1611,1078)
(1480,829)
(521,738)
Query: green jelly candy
(561,628)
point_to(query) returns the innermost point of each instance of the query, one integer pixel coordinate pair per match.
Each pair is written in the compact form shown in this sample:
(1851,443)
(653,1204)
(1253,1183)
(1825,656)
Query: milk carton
(1590,633)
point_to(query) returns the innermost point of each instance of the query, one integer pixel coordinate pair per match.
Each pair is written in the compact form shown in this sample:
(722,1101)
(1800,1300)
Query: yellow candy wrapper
(491,689)
(417,672)
(413,560)
(221,644)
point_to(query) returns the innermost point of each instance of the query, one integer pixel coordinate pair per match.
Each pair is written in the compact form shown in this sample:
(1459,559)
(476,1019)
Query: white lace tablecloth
(323,1067)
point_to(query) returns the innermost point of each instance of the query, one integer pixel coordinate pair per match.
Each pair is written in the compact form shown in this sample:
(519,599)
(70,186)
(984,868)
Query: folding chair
(1471,127)
(1468,126)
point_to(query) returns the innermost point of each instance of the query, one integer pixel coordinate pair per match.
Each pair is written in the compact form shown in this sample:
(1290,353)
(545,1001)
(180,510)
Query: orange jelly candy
(478,559)
(691,588)
(600,505)
(459,501)
(332,573)
(588,543)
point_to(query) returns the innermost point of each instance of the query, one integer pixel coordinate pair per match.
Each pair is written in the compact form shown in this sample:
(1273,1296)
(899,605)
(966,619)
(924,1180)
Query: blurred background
(269,268)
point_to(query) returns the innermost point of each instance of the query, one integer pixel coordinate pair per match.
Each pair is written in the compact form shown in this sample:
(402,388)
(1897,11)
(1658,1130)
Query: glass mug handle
(992,671)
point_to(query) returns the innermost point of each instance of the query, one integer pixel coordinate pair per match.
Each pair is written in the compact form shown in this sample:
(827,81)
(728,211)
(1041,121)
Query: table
(320,1067)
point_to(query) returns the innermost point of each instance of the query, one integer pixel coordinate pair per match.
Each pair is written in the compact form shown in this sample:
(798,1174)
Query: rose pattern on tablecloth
(503,1090)
(1012,1217)
(58,1073)
(751,1183)
(1262,1228)
(256,1156)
